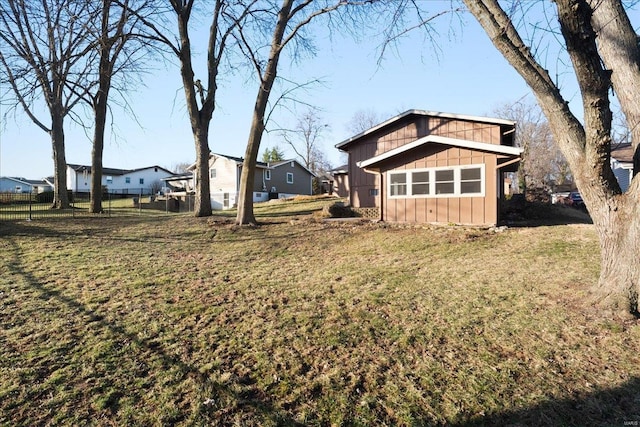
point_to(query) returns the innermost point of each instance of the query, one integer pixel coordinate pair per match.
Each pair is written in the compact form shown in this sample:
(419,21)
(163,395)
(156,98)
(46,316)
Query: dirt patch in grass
(185,321)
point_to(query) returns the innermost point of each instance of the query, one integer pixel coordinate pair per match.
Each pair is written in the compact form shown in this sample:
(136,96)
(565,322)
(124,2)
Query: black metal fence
(30,206)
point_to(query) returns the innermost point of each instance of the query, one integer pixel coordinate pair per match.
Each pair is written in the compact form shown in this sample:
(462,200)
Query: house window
(445,183)
(109,180)
(127,180)
(452,181)
(420,183)
(373,192)
(398,184)
(141,181)
(212,173)
(470,181)
(267,175)
(289,178)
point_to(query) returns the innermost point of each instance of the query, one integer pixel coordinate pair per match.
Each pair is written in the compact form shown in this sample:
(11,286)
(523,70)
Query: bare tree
(180,167)
(543,164)
(363,120)
(604,53)
(200,93)
(44,59)
(305,140)
(287,24)
(120,47)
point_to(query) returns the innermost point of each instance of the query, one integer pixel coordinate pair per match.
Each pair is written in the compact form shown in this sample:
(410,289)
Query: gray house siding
(302,179)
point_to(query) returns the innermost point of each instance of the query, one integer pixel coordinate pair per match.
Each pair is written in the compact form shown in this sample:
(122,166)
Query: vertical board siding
(470,210)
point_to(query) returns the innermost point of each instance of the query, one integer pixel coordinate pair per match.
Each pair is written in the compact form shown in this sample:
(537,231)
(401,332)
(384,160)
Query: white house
(622,164)
(282,179)
(147,180)
(224,184)
(10,184)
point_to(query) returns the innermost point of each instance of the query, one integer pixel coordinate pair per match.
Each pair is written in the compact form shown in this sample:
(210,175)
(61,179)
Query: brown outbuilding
(431,167)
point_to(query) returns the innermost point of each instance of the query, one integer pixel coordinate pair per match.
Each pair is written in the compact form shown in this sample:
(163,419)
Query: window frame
(432,183)
(289,174)
(213,173)
(267,175)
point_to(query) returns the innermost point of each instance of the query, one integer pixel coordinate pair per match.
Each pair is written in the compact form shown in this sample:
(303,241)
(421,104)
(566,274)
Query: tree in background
(363,120)
(44,60)
(305,139)
(200,93)
(283,25)
(604,53)
(271,155)
(120,46)
(542,166)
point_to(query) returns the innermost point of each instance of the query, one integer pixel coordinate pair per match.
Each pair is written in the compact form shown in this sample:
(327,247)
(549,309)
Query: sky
(467,76)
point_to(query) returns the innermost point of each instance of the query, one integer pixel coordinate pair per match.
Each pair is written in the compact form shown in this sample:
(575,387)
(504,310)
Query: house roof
(239,161)
(407,113)
(105,171)
(179,177)
(284,162)
(114,171)
(434,139)
(623,153)
(340,170)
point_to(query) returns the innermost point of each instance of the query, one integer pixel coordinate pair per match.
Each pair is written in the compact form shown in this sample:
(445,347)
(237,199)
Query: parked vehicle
(575,200)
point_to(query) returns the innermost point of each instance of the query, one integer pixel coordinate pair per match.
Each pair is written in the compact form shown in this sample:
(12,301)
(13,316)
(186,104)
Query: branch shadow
(617,406)
(249,399)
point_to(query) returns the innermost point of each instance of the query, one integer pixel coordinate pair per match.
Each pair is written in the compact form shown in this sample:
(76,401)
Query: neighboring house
(147,180)
(182,182)
(10,184)
(341,181)
(289,178)
(622,164)
(424,167)
(278,180)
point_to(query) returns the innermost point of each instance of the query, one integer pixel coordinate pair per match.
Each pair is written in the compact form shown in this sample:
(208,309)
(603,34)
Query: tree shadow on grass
(246,398)
(616,406)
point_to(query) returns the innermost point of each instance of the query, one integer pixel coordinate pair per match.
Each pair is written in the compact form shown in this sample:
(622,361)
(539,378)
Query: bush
(338,210)
(45,197)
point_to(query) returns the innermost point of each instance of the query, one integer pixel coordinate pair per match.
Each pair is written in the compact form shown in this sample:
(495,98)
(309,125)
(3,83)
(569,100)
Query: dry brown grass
(184,321)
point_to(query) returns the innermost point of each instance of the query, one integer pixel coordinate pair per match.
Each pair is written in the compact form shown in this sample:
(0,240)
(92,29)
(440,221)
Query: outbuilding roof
(399,117)
(434,139)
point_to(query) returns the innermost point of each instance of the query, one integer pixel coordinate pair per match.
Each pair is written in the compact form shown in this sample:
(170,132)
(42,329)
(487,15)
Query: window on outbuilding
(455,181)
(445,181)
(141,181)
(289,178)
(398,184)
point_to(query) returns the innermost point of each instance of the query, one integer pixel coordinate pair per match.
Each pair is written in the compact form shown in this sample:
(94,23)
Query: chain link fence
(31,206)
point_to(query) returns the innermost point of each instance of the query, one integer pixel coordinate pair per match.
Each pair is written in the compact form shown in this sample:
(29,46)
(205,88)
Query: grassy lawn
(185,321)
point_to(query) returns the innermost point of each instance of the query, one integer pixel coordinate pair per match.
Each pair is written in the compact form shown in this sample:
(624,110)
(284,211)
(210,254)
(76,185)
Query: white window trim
(289,181)
(432,182)
(267,175)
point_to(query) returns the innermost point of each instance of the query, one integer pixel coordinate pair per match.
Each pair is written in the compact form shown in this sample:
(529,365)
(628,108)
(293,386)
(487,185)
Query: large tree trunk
(586,147)
(100,112)
(245,214)
(203,184)
(60,194)
(618,287)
